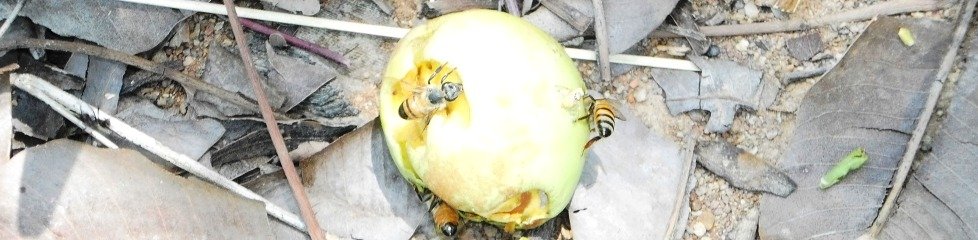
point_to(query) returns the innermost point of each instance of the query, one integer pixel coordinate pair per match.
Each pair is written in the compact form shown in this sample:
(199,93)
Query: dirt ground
(715,205)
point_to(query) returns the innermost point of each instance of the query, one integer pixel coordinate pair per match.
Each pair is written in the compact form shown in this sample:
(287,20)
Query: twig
(601,34)
(298,42)
(864,13)
(73,118)
(315,233)
(688,164)
(918,133)
(513,8)
(36,86)
(6,114)
(91,50)
(798,75)
(392,32)
(11,17)
(570,15)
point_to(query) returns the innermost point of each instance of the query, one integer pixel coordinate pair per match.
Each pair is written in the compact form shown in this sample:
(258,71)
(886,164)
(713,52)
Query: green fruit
(509,150)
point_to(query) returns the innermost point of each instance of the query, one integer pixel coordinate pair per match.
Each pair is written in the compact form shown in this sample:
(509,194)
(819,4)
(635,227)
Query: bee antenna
(446,75)
(437,70)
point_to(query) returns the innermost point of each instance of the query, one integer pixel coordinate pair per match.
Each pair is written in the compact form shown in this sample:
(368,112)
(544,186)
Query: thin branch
(11,17)
(72,117)
(315,232)
(967,10)
(601,34)
(37,86)
(6,113)
(298,42)
(864,13)
(392,32)
(92,50)
(513,8)
(689,164)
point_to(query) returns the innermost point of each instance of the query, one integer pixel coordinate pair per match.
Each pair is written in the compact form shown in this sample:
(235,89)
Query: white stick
(391,32)
(29,82)
(61,109)
(11,17)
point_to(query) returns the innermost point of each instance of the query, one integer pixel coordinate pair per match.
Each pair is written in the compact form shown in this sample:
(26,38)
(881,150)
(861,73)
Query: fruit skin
(512,134)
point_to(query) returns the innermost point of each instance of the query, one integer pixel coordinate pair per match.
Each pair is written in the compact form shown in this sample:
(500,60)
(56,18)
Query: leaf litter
(347,99)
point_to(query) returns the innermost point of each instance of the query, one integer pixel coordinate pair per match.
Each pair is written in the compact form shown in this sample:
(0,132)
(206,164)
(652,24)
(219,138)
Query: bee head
(451,90)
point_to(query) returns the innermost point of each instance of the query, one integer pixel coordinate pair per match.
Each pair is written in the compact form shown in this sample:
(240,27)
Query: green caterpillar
(850,163)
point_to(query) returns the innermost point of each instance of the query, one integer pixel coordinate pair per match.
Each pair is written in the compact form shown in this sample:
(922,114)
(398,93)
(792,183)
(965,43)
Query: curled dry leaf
(65,189)
(742,169)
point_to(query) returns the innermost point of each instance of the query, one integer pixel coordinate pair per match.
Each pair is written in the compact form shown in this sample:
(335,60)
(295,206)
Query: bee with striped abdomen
(446,218)
(430,98)
(601,115)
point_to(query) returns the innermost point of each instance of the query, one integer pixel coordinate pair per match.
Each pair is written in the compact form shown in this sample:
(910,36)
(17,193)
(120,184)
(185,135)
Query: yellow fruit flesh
(512,133)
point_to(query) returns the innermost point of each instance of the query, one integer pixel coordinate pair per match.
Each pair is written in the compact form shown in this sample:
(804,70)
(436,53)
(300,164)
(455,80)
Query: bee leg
(592,141)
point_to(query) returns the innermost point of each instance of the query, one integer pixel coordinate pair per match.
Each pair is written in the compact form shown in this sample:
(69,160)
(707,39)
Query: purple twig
(297,42)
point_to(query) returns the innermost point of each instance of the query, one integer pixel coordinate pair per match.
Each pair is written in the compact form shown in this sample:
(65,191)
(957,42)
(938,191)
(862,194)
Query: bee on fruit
(446,218)
(430,98)
(601,114)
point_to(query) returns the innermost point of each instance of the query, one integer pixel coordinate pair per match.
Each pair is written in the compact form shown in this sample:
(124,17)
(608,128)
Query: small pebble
(699,229)
(742,45)
(713,51)
(751,10)
(277,40)
(641,95)
(188,61)
(771,134)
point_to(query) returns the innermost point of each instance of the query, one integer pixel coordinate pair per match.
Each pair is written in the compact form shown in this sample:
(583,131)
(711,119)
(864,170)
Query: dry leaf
(304,7)
(722,87)
(939,201)
(628,192)
(297,79)
(742,169)
(190,137)
(871,99)
(357,192)
(65,189)
(127,27)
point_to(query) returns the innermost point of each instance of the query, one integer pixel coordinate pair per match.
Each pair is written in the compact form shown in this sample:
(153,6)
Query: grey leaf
(871,99)
(357,192)
(722,88)
(65,189)
(628,192)
(191,137)
(921,215)
(629,21)
(225,70)
(742,169)
(127,27)
(297,79)
(945,205)
(304,7)
(104,81)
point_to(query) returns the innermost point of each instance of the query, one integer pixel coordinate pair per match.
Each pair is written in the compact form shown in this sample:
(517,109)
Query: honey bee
(446,218)
(602,114)
(430,98)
